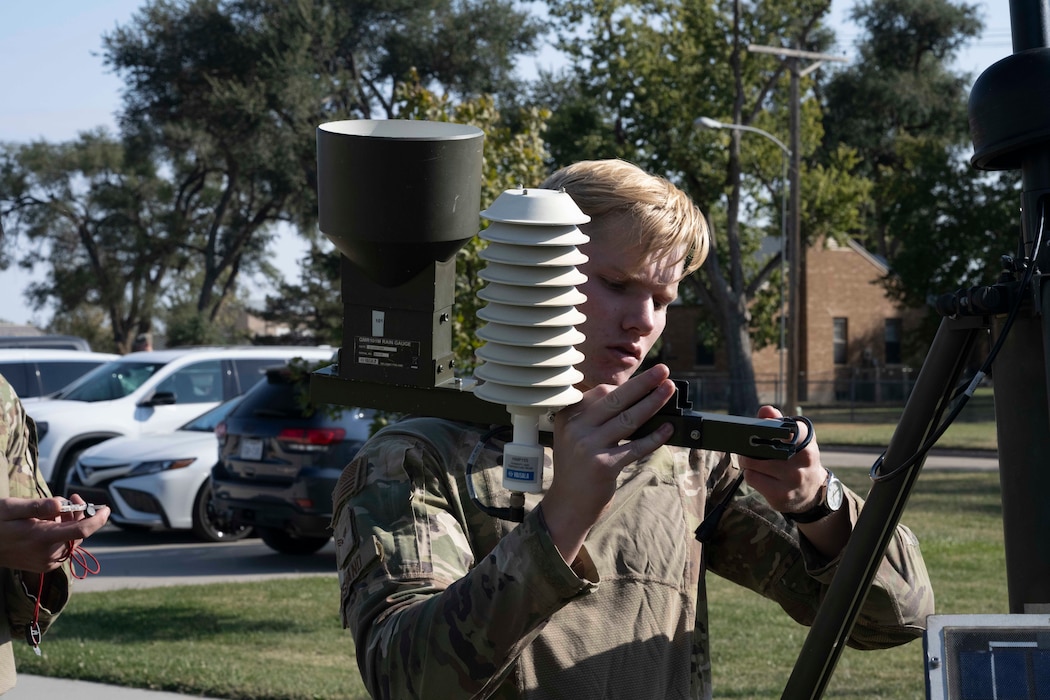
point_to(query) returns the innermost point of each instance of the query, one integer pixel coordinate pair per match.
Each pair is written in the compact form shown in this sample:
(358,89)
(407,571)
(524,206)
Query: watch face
(834,495)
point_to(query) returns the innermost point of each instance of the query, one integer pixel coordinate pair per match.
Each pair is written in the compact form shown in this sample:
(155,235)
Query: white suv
(39,372)
(147,392)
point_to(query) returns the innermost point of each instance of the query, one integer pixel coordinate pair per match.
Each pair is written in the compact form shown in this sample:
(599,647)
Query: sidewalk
(838,457)
(37,687)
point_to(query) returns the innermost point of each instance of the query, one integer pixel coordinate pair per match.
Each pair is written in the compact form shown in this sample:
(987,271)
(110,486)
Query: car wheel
(210,524)
(285,543)
(60,479)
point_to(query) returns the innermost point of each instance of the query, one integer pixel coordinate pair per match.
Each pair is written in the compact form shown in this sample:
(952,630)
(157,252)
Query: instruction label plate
(387,352)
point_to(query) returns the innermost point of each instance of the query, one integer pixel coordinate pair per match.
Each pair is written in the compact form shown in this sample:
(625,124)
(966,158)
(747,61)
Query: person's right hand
(590,451)
(35,535)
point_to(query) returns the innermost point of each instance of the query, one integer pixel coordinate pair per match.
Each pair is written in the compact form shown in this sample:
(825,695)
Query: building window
(840,340)
(706,343)
(893,341)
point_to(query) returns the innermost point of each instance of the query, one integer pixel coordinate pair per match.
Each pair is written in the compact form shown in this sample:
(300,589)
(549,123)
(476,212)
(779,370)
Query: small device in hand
(71,507)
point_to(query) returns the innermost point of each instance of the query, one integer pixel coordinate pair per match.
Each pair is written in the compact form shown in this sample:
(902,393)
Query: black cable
(709,526)
(964,396)
(514,513)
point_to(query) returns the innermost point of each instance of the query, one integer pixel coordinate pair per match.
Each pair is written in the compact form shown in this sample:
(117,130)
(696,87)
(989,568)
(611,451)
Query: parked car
(35,372)
(53,342)
(159,481)
(146,393)
(280,458)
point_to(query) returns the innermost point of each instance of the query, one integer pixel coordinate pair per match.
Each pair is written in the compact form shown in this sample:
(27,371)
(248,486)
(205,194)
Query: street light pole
(786,155)
(798,284)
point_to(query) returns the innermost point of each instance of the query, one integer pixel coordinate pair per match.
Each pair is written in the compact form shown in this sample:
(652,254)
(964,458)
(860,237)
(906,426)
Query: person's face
(626,308)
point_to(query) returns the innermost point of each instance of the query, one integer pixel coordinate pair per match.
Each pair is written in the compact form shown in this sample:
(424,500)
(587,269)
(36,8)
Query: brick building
(850,345)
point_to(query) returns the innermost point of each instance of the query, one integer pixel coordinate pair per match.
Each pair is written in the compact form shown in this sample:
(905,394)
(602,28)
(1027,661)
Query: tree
(940,223)
(641,72)
(221,102)
(900,103)
(94,208)
(226,96)
(311,308)
(952,225)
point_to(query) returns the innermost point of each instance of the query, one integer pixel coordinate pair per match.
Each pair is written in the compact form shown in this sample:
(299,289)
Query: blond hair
(663,220)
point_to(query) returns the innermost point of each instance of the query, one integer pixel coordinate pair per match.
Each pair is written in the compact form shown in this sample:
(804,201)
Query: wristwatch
(830,500)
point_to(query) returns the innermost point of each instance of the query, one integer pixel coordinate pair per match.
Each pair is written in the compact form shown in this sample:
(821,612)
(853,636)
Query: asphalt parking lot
(148,559)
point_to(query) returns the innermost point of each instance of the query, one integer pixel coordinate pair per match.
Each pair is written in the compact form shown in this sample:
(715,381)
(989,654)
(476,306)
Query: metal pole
(795,251)
(786,155)
(783,270)
(1022,378)
(1021,421)
(1009,113)
(796,280)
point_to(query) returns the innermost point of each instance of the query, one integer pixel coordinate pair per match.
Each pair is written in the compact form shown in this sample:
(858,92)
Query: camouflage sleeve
(757,547)
(18,438)
(429,619)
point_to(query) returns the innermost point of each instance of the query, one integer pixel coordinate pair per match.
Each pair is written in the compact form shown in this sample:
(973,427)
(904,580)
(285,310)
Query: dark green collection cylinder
(398,198)
(396,195)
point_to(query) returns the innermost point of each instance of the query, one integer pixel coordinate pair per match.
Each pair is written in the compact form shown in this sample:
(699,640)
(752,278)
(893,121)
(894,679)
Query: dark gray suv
(280,458)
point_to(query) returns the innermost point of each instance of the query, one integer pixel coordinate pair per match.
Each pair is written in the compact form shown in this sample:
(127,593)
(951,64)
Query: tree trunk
(730,308)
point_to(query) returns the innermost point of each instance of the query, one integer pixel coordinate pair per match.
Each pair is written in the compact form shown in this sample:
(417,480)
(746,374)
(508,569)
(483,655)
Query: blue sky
(53,85)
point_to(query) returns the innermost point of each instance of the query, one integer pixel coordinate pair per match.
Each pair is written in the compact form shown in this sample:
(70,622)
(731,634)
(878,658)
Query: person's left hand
(792,485)
(36,536)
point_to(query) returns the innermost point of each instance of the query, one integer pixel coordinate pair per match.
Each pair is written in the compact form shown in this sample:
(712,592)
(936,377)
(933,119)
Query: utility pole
(796,275)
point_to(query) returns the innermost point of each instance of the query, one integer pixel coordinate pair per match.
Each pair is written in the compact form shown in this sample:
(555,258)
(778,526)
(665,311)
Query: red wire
(79,555)
(33,631)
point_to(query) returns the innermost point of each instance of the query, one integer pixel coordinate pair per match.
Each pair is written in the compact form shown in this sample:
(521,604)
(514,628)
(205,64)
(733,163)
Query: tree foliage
(220,105)
(901,99)
(940,223)
(310,308)
(641,72)
(98,212)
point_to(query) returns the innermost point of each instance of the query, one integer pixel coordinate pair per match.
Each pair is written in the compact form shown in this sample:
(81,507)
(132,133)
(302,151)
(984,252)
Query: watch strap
(818,512)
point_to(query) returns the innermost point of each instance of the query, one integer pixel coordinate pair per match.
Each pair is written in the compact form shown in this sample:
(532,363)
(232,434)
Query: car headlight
(41,430)
(161,465)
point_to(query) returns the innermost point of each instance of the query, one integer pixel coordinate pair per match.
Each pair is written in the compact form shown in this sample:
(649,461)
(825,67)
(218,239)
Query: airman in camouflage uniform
(599,592)
(35,537)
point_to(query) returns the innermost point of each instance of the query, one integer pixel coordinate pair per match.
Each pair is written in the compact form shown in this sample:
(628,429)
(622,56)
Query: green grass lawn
(282,638)
(869,425)
(957,517)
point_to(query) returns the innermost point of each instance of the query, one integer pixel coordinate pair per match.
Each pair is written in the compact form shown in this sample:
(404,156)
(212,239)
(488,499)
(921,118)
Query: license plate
(251,449)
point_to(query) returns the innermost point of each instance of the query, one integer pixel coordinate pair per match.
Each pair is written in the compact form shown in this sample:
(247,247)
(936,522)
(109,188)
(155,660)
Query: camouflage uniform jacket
(18,455)
(445,601)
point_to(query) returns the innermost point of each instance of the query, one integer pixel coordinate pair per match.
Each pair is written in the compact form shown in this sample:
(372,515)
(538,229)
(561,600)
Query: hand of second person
(590,452)
(35,534)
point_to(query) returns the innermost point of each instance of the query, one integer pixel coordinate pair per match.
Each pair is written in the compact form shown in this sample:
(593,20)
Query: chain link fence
(848,388)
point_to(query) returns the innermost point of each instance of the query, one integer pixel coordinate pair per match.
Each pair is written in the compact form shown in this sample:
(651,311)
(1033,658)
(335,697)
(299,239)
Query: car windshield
(207,421)
(113,380)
